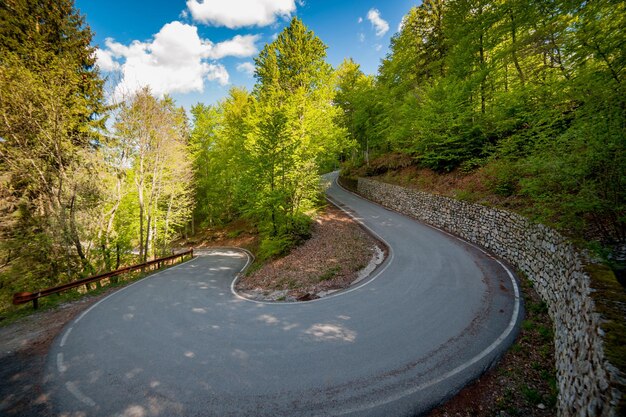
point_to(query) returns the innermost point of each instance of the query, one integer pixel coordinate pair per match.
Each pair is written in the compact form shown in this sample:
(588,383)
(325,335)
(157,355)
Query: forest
(530,95)
(530,92)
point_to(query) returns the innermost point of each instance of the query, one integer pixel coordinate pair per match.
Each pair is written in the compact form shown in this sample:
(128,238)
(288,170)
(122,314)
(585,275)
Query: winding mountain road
(434,315)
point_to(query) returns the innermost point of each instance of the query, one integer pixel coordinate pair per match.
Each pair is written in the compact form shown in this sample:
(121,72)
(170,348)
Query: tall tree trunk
(75,237)
(141,221)
(506,77)
(520,73)
(482,66)
(113,210)
(104,233)
(556,57)
(148,238)
(167,221)
(482,81)
(139,181)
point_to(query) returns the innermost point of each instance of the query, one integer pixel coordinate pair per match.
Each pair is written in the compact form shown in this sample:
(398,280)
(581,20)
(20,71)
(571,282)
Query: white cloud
(247,67)
(171,63)
(217,72)
(175,61)
(239,46)
(238,13)
(361,37)
(378,22)
(360,20)
(378,47)
(104,61)
(116,49)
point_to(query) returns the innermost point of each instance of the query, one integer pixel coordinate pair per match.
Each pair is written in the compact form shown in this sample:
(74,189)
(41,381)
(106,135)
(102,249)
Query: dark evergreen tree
(51,100)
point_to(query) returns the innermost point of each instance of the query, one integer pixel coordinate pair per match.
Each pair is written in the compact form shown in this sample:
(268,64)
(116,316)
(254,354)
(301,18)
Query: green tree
(47,34)
(155,133)
(355,97)
(417,56)
(217,143)
(293,132)
(578,176)
(50,102)
(532,89)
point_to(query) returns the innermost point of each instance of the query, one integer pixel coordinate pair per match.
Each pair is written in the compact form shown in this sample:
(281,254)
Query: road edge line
(365,281)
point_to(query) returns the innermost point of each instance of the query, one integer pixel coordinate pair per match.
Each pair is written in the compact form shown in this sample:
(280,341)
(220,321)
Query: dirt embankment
(337,254)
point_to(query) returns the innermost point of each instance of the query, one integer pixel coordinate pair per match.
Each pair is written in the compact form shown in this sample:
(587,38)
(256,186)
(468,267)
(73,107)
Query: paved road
(181,343)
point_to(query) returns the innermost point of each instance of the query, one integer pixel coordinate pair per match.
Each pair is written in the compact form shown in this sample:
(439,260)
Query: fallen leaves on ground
(331,259)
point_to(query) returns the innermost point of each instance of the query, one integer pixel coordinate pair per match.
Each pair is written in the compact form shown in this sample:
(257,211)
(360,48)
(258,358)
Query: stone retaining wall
(551,263)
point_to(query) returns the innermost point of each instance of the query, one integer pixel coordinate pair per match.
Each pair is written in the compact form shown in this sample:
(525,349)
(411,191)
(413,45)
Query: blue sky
(195,50)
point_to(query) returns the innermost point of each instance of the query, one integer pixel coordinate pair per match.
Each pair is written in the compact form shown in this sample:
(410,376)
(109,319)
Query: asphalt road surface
(432,318)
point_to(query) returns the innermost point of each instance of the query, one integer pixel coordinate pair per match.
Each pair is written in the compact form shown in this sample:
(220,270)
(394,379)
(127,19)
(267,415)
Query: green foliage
(353,91)
(416,59)
(503,176)
(271,247)
(533,92)
(447,136)
(329,274)
(153,133)
(259,155)
(50,105)
(531,395)
(292,234)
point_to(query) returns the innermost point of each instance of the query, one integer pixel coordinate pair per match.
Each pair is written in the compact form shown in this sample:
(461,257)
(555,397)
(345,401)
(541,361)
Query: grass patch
(537,308)
(255,266)
(234,233)
(466,195)
(545,332)
(531,395)
(329,274)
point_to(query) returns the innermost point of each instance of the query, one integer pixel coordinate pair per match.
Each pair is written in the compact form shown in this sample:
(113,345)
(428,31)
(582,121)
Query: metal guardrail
(25,297)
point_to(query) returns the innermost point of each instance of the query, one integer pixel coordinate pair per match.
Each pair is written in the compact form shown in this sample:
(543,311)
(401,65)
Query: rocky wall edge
(588,384)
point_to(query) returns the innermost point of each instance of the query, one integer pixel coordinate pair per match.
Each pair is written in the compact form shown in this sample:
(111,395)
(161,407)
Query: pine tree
(48,33)
(417,56)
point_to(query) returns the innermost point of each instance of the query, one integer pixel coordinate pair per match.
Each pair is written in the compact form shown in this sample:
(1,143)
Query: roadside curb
(355,285)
